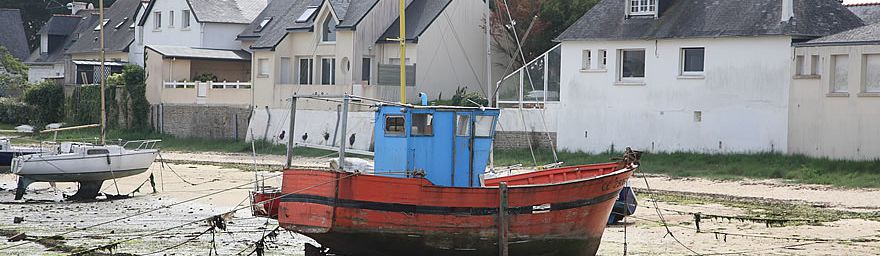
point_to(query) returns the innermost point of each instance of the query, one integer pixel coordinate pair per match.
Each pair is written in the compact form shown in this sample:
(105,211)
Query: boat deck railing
(141,144)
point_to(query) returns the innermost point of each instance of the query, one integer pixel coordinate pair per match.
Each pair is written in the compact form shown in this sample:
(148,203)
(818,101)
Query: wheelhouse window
(483,126)
(395,126)
(692,61)
(839,73)
(632,65)
(305,68)
(462,125)
(422,125)
(642,7)
(329,33)
(328,71)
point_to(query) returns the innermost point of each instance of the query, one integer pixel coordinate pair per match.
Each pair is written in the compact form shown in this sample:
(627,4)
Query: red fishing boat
(425,196)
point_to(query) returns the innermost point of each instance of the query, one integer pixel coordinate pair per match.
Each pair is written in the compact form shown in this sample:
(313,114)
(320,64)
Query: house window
(307,14)
(157,20)
(104,23)
(632,65)
(285,70)
(642,7)
(604,55)
(815,65)
(170,19)
(263,24)
(839,73)
(394,126)
(422,125)
(328,71)
(184,18)
(121,23)
(366,70)
(306,65)
(692,61)
(587,60)
(871,73)
(483,126)
(329,34)
(799,65)
(263,67)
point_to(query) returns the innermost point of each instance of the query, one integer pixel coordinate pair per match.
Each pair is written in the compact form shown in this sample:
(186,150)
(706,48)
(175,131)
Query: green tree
(136,88)
(47,98)
(15,77)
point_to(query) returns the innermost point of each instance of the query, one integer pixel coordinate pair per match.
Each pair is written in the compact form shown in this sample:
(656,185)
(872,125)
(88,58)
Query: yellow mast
(103,106)
(402,51)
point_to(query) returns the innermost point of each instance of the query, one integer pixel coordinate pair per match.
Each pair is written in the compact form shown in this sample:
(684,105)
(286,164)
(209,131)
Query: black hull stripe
(439,210)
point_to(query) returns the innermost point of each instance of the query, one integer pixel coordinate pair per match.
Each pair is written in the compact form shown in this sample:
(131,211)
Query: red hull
(376,215)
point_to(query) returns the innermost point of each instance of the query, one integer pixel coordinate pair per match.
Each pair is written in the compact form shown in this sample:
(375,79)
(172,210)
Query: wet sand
(644,234)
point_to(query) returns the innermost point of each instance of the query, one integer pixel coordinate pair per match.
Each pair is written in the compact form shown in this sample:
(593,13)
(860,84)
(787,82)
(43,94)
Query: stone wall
(201,121)
(520,140)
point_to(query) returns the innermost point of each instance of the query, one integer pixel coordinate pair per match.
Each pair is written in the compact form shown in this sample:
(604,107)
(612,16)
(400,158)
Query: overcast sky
(860,1)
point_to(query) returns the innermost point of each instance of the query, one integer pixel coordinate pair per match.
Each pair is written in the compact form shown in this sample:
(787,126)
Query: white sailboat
(88,164)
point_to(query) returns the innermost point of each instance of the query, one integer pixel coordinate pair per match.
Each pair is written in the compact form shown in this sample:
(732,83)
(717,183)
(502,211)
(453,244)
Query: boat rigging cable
(116,243)
(663,221)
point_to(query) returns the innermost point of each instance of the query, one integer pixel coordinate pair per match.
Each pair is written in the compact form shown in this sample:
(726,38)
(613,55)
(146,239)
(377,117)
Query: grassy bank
(801,169)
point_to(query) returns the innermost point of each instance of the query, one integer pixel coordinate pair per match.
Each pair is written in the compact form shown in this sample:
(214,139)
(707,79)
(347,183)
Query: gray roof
(60,29)
(222,11)
(227,11)
(869,34)
(285,12)
(869,12)
(186,52)
(12,29)
(712,18)
(117,34)
(420,14)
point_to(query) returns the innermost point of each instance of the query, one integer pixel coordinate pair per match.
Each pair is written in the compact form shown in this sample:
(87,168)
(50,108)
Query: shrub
(14,112)
(47,99)
(135,86)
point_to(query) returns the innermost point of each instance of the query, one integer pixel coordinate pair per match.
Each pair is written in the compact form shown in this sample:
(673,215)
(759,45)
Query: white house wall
(743,98)
(176,35)
(221,36)
(843,126)
(268,124)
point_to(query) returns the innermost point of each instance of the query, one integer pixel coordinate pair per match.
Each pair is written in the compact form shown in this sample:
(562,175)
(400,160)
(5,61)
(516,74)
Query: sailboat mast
(103,73)
(403,51)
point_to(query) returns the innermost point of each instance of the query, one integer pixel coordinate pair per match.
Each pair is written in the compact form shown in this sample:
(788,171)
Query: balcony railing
(209,84)
(535,83)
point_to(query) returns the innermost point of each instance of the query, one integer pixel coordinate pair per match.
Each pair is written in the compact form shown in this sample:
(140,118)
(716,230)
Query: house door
(202,92)
(464,174)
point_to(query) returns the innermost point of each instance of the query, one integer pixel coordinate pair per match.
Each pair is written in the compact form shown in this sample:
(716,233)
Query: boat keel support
(23,183)
(88,190)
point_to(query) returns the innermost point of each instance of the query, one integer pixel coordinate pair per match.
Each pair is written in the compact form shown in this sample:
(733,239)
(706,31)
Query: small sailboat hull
(77,168)
(7,156)
(378,215)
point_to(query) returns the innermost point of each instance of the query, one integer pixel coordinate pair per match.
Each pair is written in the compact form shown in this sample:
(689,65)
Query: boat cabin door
(463,151)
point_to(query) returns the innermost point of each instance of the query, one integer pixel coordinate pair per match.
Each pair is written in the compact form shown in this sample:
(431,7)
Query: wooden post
(502,219)
(290,142)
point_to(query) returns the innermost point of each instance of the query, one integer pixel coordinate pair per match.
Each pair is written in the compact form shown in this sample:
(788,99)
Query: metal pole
(344,133)
(502,219)
(290,143)
(103,103)
(402,52)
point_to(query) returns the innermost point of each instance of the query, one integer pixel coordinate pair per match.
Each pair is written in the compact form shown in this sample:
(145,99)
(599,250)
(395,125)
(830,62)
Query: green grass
(6,126)
(172,143)
(800,169)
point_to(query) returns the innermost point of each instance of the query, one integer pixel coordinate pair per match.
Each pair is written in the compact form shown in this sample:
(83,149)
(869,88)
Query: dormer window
(329,34)
(641,7)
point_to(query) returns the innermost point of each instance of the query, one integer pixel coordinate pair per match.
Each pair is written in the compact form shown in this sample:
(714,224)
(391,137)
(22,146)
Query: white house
(185,41)
(686,75)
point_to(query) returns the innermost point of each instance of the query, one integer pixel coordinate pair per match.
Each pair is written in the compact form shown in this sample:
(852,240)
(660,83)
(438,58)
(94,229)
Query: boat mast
(402,39)
(103,72)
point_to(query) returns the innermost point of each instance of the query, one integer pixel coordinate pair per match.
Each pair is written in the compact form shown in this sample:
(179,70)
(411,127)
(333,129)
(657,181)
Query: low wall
(318,127)
(201,121)
(520,140)
(519,127)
